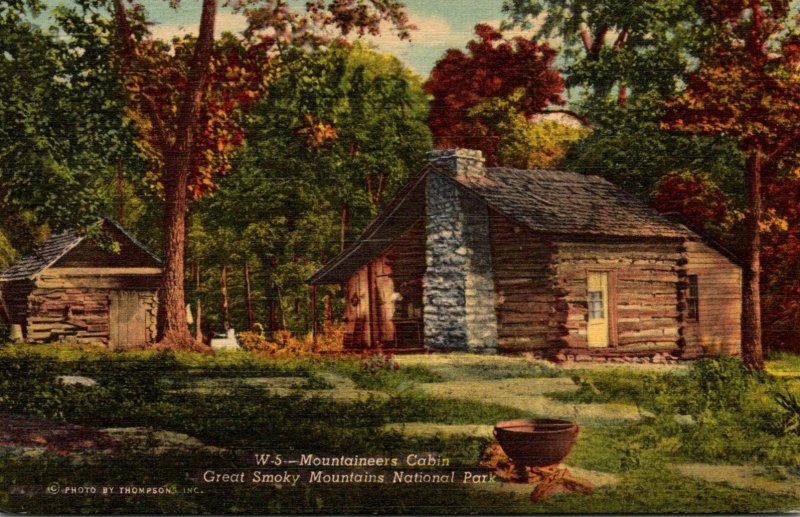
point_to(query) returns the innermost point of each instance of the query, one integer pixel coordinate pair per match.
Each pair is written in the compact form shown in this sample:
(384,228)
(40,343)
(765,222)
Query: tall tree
(747,86)
(491,68)
(61,118)
(342,126)
(615,47)
(184,109)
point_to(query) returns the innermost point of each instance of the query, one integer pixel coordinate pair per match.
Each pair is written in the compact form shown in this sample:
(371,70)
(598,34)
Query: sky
(442,24)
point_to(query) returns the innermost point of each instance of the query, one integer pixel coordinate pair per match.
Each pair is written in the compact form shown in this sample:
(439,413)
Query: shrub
(376,361)
(790,406)
(28,385)
(720,384)
(284,343)
(255,341)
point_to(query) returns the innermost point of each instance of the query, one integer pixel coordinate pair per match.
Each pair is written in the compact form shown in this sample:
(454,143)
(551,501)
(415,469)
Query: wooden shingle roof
(56,246)
(558,202)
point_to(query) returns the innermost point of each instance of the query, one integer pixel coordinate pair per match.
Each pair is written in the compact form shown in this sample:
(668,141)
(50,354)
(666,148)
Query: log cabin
(562,265)
(73,290)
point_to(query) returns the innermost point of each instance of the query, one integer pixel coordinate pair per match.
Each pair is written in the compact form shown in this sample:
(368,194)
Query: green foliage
(282,209)
(628,148)
(646,46)
(7,252)
(62,118)
(790,404)
(716,411)
(721,384)
(523,144)
(28,385)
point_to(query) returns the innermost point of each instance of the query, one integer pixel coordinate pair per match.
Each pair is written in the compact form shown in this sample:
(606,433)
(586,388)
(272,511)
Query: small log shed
(72,290)
(564,265)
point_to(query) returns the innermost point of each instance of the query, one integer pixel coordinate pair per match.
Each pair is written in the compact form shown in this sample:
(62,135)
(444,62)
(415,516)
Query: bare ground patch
(25,432)
(341,387)
(745,477)
(530,395)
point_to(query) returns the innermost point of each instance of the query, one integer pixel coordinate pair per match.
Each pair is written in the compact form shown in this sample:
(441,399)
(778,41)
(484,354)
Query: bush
(790,405)
(28,385)
(376,361)
(283,343)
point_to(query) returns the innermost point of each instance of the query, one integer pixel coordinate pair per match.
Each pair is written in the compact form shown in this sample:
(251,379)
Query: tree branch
(622,38)
(587,39)
(198,73)
(599,41)
(129,56)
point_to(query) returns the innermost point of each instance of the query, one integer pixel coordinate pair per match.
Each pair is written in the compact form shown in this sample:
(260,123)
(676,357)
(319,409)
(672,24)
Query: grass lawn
(703,438)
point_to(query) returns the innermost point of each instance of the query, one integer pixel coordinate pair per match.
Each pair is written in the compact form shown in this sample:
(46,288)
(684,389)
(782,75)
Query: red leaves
(492,68)
(236,81)
(692,197)
(741,89)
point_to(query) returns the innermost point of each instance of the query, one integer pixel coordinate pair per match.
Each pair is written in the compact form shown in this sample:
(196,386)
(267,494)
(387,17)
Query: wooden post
(314,329)
(374,309)
(226,317)
(248,296)
(198,335)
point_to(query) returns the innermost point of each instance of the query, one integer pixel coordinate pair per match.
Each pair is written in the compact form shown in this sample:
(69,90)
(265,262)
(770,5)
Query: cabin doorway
(597,310)
(128,312)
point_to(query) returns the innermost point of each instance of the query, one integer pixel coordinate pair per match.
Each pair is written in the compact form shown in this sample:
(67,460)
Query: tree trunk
(120,194)
(248,296)
(622,95)
(280,306)
(273,322)
(314,327)
(752,353)
(344,226)
(223,284)
(173,330)
(198,335)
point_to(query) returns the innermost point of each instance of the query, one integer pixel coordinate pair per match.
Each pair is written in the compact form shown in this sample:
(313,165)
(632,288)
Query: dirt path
(342,387)
(746,477)
(57,437)
(515,382)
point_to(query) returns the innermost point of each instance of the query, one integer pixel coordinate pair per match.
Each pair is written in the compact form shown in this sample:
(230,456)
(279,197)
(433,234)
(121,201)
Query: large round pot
(538,442)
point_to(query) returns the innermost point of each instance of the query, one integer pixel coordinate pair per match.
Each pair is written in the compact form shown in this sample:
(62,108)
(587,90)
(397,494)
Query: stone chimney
(460,162)
(458,286)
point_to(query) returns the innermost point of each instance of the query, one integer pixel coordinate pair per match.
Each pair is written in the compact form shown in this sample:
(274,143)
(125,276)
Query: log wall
(68,315)
(644,282)
(525,297)
(72,304)
(717,330)
(15,296)
(384,297)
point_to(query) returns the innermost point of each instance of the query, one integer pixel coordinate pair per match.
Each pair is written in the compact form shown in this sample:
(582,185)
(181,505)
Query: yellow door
(597,304)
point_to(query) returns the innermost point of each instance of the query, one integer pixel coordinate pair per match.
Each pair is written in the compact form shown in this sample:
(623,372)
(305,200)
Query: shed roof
(546,201)
(56,246)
